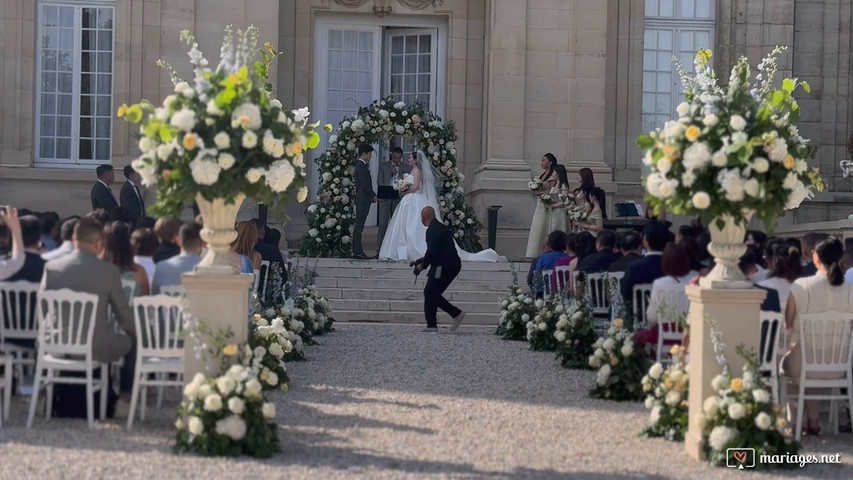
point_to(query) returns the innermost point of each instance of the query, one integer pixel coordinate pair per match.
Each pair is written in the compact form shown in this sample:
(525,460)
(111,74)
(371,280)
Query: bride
(405,238)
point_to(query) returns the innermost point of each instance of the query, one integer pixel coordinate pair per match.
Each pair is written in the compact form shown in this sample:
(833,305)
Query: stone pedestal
(220,301)
(736,313)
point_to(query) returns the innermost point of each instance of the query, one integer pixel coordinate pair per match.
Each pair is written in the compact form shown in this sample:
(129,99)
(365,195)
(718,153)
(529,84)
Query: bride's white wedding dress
(405,238)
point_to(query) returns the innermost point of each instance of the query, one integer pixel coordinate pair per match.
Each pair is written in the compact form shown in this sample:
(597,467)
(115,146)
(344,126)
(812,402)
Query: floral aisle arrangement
(666,398)
(734,150)
(517,309)
(226,415)
(575,335)
(331,217)
(620,366)
(271,343)
(223,135)
(543,325)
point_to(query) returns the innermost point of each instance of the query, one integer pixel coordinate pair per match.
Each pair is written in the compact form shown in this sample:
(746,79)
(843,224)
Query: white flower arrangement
(620,365)
(541,327)
(402,184)
(574,333)
(734,149)
(666,398)
(517,308)
(226,415)
(270,343)
(227,120)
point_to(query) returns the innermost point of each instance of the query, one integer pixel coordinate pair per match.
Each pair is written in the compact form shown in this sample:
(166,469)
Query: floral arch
(332,215)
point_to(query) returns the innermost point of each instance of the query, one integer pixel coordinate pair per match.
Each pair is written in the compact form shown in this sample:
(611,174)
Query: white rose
(225,384)
(608,344)
(801,166)
(560,336)
(701,200)
(737,122)
(649,402)
(673,398)
(247,116)
(213,402)
(195,426)
(664,165)
(656,371)
(603,375)
(736,411)
(627,350)
(655,415)
(183,120)
(720,382)
(236,405)
(720,159)
(268,410)
(666,189)
(763,421)
(276,350)
(542,326)
(146,144)
(709,406)
(253,388)
(253,175)
(205,172)
(682,109)
(761,395)
(752,187)
(720,437)
(250,139)
(710,120)
(164,151)
(233,427)
(302,194)
(760,165)
(688,178)
(226,160)
(272,379)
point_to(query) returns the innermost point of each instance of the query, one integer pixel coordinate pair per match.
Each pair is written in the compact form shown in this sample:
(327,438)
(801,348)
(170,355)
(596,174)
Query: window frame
(74,162)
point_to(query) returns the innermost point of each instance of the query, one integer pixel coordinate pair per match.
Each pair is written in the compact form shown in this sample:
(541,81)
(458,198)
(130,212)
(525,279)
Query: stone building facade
(578,78)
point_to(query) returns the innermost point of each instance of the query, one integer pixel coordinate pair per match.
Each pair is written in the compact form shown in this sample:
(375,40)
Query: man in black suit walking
(131,196)
(102,196)
(364,196)
(445,265)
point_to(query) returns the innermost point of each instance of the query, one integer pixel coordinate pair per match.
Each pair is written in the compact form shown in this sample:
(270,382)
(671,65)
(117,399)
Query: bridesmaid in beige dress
(541,219)
(588,195)
(557,212)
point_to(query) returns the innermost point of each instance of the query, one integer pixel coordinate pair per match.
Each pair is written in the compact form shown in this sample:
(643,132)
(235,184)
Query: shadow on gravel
(303,415)
(337,397)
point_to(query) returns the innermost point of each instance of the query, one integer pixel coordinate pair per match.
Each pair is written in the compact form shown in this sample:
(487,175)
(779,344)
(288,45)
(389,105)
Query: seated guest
(49,224)
(847,265)
(675,266)
(554,250)
(146,222)
(783,260)
(268,252)
(771,299)
(809,241)
(571,250)
(631,252)
(647,269)
(144,243)
(243,254)
(168,272)
(33,263)
(119,252)
(102,216)
(82,271)
(66,231)
(824,291)
(604,256)
(167,230)
(273,237)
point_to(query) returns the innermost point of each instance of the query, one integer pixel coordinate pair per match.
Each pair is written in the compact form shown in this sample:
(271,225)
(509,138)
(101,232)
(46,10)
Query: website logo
(740,458)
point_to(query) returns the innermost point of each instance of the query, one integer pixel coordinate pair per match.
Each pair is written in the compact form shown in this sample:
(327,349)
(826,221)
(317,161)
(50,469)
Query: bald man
(444,264)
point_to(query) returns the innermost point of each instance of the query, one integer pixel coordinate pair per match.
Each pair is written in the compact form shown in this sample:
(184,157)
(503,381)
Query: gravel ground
(389,402)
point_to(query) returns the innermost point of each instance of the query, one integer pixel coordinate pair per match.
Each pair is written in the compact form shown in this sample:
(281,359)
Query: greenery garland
(332,215)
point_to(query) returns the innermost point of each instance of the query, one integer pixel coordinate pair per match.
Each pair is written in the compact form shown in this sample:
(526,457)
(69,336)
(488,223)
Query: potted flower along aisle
(733,153)
(222,138)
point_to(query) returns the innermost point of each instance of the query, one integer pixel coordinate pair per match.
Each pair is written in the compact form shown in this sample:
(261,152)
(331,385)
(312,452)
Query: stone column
(736,313)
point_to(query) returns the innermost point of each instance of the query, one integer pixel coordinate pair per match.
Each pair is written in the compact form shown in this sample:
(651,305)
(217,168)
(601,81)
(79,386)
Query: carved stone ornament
(420,4)
(351,3)
(381,10)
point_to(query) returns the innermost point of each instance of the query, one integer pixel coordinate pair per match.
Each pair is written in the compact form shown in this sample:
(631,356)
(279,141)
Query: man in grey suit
(389,172)
(84,272)
(168,272)
(364,196)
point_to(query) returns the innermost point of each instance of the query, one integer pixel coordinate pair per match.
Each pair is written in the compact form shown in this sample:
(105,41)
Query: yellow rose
(122,110)
(328,127)
(297,148)
(737,385)
(230,350)
(671,152)
(190,141)
(788,162)
(618,323)
(270,48)
(693,133)
(668,384)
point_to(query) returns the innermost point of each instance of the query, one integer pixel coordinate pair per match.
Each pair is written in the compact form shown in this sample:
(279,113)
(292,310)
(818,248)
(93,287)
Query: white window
(672,28)
(75,83)
(357,62)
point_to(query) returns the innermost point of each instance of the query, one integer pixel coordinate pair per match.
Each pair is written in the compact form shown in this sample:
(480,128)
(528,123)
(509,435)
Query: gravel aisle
(383,401)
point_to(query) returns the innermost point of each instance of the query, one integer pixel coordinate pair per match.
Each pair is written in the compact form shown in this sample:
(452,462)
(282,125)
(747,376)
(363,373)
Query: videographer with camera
(444,264)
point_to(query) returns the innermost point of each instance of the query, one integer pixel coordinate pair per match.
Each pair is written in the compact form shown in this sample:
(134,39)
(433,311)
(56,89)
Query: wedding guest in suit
(810,239)
(267,251)
(33,263)
(168,272)
(102,195)
(444,264)
(601,260)
(146,222)
(83,271)
(10,266)
(131,195)
(49,230)
(389,172)
(631,252)
(364,196)
(101,215)
(648,269)
(167,230)
(66,232)
(145,243)
(118,250)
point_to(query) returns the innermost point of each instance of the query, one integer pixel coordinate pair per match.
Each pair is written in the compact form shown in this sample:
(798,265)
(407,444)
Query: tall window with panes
(75,83)
(672,28)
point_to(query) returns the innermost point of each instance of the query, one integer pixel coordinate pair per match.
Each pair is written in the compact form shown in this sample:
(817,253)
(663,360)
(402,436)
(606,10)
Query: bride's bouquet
(402,184)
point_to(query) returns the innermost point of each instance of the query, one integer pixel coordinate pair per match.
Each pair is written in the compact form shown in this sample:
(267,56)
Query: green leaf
(313,140)
(645,142)
(807,87)
(788,85)
(777,98)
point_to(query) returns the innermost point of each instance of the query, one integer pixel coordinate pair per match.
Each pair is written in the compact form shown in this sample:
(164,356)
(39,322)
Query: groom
(442,257)
(389,172)
(364,196)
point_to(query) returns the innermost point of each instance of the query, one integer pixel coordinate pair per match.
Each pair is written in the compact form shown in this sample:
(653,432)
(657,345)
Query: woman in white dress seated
(405,238)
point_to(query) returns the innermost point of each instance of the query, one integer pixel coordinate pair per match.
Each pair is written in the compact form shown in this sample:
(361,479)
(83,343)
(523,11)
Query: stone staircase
(383,291)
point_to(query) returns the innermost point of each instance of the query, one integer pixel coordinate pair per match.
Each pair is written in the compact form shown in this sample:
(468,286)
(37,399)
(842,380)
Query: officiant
(389,172)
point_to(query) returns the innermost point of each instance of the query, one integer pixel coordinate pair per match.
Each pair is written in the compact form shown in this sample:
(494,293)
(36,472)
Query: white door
(347,71)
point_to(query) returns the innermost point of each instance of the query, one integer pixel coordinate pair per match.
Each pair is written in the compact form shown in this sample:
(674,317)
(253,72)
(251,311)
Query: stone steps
(383,291)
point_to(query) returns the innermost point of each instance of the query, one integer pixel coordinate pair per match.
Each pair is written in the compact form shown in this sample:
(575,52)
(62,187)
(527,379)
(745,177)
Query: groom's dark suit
(364,196)
(102,197)
(445,265)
